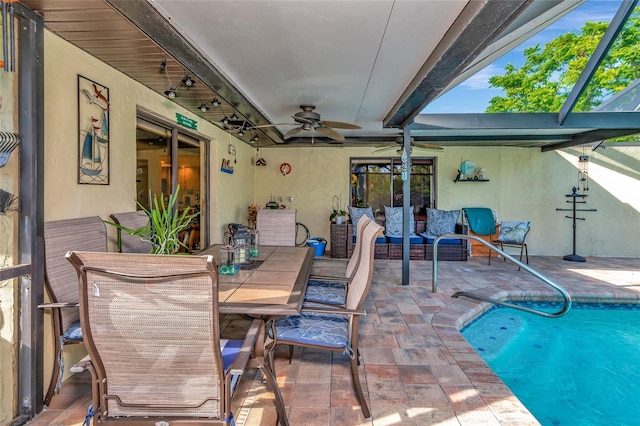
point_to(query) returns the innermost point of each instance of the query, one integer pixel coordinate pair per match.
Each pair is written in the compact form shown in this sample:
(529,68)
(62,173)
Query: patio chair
(513,234)
(61,283)
(331,290)
(277,227)
(481,222)
(131,243)
(332,328)
(151,328)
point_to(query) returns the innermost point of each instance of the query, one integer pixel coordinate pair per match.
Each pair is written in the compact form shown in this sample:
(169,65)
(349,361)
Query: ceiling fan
(308,119)
(414,144)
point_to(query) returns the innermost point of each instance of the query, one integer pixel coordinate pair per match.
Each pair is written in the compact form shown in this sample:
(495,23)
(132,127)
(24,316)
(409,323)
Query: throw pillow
(393,221)
(441,221)
(355,213)
(513,231)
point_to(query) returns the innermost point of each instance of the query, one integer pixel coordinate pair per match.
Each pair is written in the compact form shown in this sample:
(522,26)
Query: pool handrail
(549,282)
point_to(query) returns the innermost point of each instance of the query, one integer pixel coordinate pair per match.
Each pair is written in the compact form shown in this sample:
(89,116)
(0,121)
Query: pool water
(580,369)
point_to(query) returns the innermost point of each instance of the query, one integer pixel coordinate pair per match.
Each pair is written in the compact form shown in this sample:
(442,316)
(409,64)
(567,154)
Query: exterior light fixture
(203,107)
(188,81)
(234,116)
(215,102)
(254,139)
(240,132)
(171,93)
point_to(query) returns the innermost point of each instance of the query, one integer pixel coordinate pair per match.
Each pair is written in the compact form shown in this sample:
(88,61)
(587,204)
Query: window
(377,182)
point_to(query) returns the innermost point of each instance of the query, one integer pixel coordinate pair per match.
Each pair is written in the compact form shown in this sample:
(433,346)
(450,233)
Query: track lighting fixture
(215,102)
(240,132)
(254,139)
(203,107)
(188,81)
(234,117)
(171,93)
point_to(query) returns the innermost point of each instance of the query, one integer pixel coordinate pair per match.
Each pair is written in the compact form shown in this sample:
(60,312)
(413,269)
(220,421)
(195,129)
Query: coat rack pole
(574,196)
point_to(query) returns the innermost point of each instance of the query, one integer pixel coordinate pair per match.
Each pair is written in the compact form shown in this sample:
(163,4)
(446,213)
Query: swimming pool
(580,369)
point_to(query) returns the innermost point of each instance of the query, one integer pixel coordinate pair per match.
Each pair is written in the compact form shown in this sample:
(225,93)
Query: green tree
(549,73)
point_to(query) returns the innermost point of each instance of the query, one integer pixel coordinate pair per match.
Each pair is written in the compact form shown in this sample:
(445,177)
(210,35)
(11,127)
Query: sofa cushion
(445,241)
(393,221)
(413,239)
(441,221)
(513,231)
(355,213)
(379,240)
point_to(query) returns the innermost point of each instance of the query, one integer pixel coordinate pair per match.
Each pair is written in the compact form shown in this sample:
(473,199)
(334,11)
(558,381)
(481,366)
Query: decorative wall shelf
(470,180)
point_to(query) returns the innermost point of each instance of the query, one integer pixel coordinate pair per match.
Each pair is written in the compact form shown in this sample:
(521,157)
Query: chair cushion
(393,221)
(315,329)
(230,350)
(413,239)
(328,292)
(379,240)
(73,333)
(445,241)
(441,221)
(355,213)
(481,220)
(513,231)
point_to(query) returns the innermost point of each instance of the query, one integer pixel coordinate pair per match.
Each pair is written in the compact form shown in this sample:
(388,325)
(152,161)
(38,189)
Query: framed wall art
(93,132)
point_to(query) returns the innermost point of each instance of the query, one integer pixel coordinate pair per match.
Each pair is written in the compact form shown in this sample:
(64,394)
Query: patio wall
(525,184)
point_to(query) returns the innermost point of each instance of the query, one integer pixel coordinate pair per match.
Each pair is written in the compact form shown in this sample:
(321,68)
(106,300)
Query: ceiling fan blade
(330,133)
(273,125)
(427,146)
(340,125)
(291,133)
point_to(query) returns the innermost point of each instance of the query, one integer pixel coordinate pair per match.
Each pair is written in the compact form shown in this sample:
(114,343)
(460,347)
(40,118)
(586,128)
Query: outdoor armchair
(513,234)
(151,327)
(332,328)
(131,243)
(331,290)
(61,283)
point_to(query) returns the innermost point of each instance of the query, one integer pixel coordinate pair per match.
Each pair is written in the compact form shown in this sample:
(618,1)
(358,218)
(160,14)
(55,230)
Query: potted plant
(165,224)
(338,215)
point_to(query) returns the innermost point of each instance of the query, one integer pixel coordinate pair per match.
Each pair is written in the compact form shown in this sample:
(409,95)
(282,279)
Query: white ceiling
(351,59)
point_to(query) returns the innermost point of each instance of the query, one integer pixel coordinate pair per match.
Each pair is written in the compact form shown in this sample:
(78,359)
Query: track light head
(171,93)
(203,107)
(215,102)
(188,81)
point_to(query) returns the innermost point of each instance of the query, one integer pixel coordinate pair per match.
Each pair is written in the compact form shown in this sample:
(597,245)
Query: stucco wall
(525,184)
(65,198)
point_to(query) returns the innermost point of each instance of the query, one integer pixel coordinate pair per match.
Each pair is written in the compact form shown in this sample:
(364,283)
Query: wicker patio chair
(331,290)
(277,227)
(131,243)
(152,332)
(332,328)
(61,283)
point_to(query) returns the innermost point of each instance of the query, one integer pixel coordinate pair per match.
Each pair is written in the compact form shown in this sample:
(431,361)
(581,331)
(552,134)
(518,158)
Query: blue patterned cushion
(230,350)
(445,241)
(393,221)
(413,239)
(328,330)
(355,213)
(379,240)
(512,231)
(328,292)
(441,221)
(73,333)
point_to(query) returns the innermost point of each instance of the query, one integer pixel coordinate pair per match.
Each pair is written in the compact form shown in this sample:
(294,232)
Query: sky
(473,95)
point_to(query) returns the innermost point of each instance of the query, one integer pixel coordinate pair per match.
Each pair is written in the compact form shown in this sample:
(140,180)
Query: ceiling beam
(609,37)
(145,17)
(478,25)
(589,137)
(527,120)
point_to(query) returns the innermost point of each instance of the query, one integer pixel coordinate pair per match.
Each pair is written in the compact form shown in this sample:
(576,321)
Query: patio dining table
(271,285)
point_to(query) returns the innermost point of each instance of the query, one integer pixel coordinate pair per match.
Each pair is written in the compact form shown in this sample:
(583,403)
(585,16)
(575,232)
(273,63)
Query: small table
(274,288)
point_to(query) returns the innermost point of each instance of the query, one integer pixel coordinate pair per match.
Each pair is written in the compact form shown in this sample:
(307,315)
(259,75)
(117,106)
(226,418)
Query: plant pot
(339,220)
